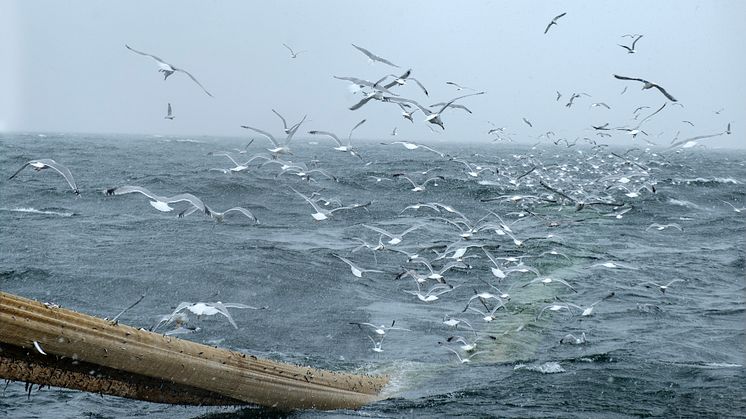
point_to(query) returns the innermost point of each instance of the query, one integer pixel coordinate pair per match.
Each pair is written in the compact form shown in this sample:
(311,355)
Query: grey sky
(65,67)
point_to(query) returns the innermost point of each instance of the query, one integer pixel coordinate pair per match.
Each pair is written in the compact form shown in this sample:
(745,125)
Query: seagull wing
(457,98)
(379,230)
(329,134)
(630,78)
(220,307)
(194,80)
(310,201)
(421,86)
(284,123)
(289,49)
(186,197)
(635,41)
(130,189)
(64,171)
(349,137)
(160,61)
(264,133)
(169,110)
(243,211)
(665,93)
(19,170)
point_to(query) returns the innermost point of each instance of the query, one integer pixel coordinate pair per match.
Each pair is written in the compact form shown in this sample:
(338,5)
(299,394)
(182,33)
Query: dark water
(647,353)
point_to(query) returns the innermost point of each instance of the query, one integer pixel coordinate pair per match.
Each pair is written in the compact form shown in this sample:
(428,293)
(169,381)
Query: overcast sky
(64,66)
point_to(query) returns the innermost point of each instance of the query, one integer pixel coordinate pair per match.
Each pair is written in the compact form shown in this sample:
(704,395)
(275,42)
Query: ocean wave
(545,368)
(684,203)
(706,181)
(60,213)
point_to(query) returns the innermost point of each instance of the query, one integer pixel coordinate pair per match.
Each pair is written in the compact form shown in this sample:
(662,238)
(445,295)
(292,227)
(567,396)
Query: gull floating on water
(660,227)
(42,164)
(167,69)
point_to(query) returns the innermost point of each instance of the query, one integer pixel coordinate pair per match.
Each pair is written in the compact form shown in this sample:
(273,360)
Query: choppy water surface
(646,353)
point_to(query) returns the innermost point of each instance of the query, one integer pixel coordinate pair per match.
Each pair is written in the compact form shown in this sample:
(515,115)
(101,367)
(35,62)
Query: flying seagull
(434,117)
(553,22)
(167,69)
(159,202)
(293,54)
(631,50)
(169,114)
(49,163)
(648,85)
(374,57)
(528,122)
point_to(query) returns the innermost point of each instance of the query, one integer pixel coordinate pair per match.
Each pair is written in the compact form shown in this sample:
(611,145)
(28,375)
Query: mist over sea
(678,353)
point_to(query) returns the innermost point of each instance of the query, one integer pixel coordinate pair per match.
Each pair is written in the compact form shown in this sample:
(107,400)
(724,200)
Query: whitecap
(550,367)
(36,211)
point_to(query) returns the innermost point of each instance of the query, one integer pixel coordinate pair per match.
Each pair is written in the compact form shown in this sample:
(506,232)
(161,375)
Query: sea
(651,240)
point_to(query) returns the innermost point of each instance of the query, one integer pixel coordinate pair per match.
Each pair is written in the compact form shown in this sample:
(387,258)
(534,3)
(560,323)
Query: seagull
(167,69)
(402,80)
(406,113)
(528,122)
(414,146)
(464,360)
(293,54)
(394,238)
(691,142)
(434,117)
(419,187)
(219,216)
(357,271)
(323,214)
(459,87)
(285,127)
(278,148)
(631,50)
(209,309)
(433,293)
(647,85)
(597,104)
(158,202)
(553,22)
(169,114)
(42,164)
(240,166)
(341,147)
(554,307)
(548,280)
(374,57)
(663,288)
(380,330)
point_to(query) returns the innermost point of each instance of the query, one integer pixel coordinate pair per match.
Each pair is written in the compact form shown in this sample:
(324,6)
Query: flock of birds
(510,245)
